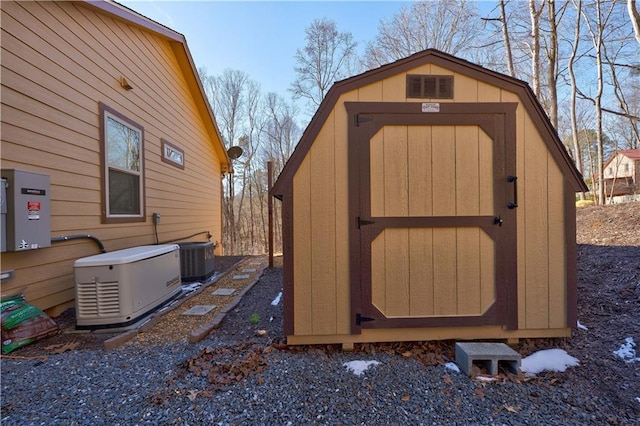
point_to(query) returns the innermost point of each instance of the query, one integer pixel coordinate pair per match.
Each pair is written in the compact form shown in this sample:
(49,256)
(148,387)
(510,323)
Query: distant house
(105,105)
(622,175)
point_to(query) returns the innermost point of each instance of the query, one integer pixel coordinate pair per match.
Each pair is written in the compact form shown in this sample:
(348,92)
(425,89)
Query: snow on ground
(452,366)
(275,301)
(627,351)
(359,367)
(582,327)
(548,360)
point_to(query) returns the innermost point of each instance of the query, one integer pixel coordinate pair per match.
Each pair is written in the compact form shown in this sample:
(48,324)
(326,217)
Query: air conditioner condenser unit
(117,290)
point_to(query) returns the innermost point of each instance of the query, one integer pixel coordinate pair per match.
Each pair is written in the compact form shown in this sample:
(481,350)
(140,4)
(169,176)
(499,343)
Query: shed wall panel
(535,184)
(323,231)
(302,295)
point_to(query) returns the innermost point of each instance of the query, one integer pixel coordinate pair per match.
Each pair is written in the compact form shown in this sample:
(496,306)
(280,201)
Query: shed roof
(179,46)
(461,66)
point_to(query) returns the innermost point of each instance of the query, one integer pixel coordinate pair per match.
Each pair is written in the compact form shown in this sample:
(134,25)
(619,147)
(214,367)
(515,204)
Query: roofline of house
(444,60)
(180,48)
(624,152)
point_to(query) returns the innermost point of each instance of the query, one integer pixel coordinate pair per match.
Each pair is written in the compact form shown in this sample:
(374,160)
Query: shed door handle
(514,180)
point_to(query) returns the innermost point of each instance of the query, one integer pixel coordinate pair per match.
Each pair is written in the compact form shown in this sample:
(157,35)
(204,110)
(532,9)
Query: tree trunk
(574,122)
(507,42)
(552,68)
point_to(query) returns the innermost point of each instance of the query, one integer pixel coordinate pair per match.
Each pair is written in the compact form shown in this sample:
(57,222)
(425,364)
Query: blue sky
(260,38)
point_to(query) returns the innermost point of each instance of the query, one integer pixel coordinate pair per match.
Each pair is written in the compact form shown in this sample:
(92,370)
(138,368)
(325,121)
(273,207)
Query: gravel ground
(243,373)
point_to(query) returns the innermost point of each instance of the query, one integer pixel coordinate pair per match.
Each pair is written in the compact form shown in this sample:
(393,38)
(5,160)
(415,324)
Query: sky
(260,37)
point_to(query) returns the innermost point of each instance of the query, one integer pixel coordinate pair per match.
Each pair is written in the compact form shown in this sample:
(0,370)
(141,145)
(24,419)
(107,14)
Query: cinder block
(489,353)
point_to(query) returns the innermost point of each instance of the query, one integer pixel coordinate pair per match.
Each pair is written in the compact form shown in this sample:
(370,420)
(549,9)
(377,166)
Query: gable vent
(430,86)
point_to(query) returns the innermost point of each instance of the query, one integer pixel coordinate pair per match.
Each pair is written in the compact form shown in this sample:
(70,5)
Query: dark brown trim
(490,317)
(522,89)
(498,121)
(572,255)
(287,259)
(511,239)
(143,203)
(166,144)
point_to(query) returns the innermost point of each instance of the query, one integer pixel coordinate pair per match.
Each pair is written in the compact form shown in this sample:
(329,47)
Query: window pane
(124,193)
(123,146)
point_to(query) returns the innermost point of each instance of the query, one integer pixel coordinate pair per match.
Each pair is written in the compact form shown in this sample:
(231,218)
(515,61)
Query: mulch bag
(23,323)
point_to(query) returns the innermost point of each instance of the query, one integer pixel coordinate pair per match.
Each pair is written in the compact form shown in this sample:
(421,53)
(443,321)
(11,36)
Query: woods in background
(581,59)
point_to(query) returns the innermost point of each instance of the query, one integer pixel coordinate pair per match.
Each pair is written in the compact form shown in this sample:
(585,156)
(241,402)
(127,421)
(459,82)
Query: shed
(107,105)
(429,198)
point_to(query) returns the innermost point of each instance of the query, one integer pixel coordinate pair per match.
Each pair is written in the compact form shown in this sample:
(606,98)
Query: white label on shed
(430,107)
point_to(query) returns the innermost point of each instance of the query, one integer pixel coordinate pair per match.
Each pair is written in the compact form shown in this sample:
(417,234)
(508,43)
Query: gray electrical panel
(3,213)
(28,204)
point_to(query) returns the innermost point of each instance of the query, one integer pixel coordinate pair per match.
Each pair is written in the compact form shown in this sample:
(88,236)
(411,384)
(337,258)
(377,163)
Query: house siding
(59,61)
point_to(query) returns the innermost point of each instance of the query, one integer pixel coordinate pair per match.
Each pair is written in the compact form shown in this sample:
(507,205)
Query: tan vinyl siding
(59,60)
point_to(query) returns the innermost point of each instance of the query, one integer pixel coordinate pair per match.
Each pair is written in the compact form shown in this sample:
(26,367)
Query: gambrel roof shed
(428,198)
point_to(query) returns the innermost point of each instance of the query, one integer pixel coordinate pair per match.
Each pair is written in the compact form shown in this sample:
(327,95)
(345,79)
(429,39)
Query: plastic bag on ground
(23,323)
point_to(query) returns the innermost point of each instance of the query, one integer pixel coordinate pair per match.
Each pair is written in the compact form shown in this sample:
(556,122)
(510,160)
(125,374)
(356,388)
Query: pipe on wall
(186,238)
(80,237)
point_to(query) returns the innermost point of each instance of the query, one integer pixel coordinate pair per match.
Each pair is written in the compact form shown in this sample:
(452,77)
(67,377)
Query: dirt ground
(608,301)
(608,271)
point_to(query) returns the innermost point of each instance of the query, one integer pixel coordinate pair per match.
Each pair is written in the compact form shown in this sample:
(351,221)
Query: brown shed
(429,198)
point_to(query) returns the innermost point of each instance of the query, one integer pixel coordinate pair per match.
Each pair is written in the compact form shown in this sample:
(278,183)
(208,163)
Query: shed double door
(432,206)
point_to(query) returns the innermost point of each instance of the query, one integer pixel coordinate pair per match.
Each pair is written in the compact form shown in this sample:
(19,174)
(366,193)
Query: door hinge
(362,119)
(361,222)
(360,319)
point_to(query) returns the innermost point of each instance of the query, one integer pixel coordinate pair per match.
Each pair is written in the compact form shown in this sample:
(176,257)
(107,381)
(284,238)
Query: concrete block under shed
(491,354)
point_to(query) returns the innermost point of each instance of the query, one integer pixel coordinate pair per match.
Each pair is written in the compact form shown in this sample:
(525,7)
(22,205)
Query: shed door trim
(498,121)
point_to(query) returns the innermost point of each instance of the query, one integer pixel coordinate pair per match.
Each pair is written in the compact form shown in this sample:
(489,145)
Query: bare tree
(507,40)
(634,15)
(596,31)
(451,26)
(328,56)
(577,156)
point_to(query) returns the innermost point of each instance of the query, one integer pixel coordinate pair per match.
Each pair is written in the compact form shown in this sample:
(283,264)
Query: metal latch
(360,319)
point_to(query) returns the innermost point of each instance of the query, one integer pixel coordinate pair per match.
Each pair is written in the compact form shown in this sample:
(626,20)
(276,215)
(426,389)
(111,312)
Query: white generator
(115,291)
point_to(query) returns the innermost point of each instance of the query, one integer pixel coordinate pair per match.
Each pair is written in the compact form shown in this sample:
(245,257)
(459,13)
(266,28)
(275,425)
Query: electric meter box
(28,203)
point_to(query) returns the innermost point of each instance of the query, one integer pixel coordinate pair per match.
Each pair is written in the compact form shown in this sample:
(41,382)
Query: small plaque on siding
(430,107)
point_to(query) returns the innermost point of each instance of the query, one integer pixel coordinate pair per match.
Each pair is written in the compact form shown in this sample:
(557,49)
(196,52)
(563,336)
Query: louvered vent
(196,261)
(98,299)
(430,86)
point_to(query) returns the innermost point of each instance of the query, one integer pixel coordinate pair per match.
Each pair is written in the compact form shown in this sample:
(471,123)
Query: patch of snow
(548,360)
(452,366)
(187,288)
(638,399)
(485,378)
(275,301)
(359,367)
(627,351)
(581,327)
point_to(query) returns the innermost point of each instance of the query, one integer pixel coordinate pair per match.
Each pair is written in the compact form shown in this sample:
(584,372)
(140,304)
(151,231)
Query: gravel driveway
(242,374)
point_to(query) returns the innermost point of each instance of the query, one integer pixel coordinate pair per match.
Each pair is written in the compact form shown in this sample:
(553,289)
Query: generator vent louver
(196,261)
(98,299)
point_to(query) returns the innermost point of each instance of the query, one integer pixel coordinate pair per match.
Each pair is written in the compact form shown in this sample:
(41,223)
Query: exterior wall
(59,60)
(320,225)
(621,176)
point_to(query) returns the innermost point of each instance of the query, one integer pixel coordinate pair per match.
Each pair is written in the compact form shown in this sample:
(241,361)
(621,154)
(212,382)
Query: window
(430,86)
(122,168)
